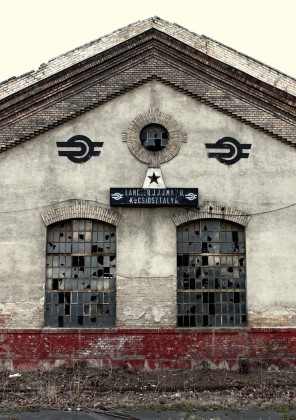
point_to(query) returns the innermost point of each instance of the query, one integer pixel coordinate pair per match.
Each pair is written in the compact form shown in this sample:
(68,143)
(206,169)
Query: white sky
(35,31)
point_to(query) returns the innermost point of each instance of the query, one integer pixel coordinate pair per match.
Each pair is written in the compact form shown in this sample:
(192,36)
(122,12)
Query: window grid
(211,274)
(154,137)
(81,270)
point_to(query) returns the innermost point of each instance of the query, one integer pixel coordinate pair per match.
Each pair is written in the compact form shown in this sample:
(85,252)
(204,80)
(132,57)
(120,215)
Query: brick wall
(22,350)
(74,90)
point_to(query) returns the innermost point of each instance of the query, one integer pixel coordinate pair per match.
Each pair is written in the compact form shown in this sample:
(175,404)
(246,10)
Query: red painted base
(32,349)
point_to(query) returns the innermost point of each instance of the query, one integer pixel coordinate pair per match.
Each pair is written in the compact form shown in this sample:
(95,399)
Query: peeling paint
(159,314)
(146,301)
(273,318)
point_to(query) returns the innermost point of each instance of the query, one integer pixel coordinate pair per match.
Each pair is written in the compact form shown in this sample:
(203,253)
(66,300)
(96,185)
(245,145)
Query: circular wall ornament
(153,117)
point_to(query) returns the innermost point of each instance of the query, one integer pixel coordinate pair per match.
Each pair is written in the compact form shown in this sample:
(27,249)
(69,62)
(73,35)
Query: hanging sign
(153,197)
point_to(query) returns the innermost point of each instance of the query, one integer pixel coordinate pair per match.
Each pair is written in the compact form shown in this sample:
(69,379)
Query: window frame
(193,296)
(80,278)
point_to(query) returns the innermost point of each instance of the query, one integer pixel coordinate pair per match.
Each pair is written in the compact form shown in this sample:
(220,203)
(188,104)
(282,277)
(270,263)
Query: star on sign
(153,178)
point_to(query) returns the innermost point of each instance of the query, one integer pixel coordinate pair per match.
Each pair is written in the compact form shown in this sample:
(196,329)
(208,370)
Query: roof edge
(201,43)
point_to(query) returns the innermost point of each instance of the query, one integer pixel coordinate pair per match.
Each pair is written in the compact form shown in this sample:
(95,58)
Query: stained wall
(34,179)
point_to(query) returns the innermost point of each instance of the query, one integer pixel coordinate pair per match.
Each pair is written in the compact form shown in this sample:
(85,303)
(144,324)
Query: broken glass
(81,269)
(218,246)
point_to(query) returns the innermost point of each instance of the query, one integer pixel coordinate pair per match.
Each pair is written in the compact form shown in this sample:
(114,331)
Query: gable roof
(85,77)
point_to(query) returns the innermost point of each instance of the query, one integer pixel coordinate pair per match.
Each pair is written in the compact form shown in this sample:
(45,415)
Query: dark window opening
(154,137)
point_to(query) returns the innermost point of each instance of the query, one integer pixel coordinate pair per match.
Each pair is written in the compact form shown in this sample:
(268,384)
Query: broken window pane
(211,274)
(75,295)
(154,137)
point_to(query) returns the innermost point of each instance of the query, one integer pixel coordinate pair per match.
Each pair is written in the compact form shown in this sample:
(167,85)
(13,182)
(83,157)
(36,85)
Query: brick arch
(211,210)
(80,209)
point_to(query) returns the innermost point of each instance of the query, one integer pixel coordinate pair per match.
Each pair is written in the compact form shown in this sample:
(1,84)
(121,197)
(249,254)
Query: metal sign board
(153,197)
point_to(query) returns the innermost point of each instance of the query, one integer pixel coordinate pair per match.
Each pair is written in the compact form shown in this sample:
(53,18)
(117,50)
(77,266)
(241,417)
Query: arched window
(211,274)
(81,269)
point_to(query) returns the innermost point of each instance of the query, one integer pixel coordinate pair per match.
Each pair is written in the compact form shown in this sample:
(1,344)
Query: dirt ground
(106,390)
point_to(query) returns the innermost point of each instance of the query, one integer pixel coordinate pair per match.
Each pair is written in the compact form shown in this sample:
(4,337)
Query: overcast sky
(34,31)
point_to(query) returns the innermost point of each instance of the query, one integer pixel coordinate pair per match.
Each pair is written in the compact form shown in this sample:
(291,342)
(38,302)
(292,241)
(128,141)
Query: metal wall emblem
(84,148)
(153,197)
(234,153)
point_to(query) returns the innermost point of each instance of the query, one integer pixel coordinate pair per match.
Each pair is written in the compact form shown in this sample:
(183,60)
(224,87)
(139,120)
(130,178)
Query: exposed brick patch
(81,209)
(211,210)
(154,116)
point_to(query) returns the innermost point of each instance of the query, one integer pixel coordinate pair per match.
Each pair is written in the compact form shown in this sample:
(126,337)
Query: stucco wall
(34,179)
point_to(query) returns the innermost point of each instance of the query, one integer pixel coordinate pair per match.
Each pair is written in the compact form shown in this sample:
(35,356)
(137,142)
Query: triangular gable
(82,79)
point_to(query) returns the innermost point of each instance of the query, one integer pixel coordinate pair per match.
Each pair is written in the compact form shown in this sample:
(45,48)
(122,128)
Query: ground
(106,390)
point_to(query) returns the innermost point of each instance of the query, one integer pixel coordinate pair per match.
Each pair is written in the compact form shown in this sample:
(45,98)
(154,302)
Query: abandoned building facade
(147,213)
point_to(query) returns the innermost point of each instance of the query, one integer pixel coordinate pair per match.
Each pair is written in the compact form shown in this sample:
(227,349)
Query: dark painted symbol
(153,178)
(235,150)
(83,143)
